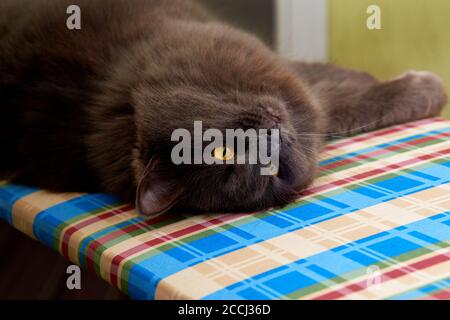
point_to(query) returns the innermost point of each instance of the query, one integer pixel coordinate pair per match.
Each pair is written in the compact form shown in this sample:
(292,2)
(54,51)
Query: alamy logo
(236,147)
(73,281)
(374,278)
(374,19)
(73,22)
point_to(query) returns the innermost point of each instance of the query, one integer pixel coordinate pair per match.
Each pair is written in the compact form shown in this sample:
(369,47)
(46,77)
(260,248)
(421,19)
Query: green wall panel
(415,35)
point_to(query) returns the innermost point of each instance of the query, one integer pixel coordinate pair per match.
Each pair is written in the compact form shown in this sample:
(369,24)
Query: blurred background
(415,34)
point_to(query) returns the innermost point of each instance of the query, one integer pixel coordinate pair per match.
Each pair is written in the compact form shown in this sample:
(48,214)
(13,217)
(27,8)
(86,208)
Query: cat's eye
(223,153)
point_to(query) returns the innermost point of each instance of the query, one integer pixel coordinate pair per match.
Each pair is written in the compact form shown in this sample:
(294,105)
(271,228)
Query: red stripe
(368,174)
(383,132)
(365,137)
(442,295)
(375,153)
(388,276)
(98,242)
(93,246)
(157,241)
(72,229)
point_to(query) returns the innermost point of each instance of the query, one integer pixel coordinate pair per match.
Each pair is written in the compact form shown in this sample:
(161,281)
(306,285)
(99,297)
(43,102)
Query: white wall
(302,29)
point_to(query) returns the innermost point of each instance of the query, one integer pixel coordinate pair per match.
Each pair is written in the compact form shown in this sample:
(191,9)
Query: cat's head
(231,82)
(223,186)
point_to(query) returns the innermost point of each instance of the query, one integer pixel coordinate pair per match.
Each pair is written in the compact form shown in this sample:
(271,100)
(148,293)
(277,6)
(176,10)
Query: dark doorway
(255,16)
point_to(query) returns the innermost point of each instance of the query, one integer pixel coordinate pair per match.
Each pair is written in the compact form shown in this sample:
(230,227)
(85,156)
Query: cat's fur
(93,110)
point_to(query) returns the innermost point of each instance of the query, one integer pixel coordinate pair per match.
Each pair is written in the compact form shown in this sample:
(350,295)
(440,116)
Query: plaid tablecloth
(376,225)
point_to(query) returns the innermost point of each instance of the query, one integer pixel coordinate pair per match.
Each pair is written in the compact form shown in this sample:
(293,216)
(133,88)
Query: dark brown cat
(93,109)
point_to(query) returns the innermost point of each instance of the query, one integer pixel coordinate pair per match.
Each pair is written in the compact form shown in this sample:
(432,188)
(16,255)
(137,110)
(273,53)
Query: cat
(93,110)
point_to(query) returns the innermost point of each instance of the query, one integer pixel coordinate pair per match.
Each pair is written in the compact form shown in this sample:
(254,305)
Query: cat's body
(93,109)
(51,77)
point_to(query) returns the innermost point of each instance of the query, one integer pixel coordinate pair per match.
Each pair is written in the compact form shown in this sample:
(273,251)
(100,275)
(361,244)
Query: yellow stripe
(77,237)
(26,209)
(215,274)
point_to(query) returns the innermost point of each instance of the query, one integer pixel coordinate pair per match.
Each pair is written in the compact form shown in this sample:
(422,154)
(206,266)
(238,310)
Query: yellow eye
(223,154)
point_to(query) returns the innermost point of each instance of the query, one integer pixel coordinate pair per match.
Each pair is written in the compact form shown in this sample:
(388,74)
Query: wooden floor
(31,271)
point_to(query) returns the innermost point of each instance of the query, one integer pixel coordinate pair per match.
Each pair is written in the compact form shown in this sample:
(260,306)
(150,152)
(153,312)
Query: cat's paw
(427,91)
(422,78)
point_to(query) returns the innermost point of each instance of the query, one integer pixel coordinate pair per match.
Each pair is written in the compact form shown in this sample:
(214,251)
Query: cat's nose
(272,108)
(263,112)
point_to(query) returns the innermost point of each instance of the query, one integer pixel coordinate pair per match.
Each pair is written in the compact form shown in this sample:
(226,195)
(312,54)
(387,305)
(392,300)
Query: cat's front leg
(413,96)
(410,97)
(427,90)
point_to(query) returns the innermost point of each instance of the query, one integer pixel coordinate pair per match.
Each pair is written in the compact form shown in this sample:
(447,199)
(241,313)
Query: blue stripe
(48,221)
(279,282)
(9,194)
(148,272)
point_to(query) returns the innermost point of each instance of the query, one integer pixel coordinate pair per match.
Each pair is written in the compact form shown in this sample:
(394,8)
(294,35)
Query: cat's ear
(156,193)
